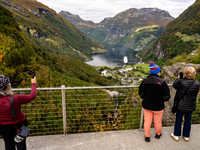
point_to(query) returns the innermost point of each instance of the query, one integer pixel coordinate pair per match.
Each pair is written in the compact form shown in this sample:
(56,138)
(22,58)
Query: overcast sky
(97,10)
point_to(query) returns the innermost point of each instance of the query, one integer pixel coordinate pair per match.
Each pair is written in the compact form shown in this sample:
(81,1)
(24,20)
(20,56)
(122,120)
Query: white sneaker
(186,139)
(176,138)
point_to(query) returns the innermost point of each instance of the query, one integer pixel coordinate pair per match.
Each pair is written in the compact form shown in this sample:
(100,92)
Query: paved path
(114,140)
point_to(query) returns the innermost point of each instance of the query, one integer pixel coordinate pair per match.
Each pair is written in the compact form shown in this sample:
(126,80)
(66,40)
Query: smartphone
(181,75)
(32,74)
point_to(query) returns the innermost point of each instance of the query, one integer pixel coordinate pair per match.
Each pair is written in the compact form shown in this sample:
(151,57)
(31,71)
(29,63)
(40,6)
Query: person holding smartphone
(185,102)
(8,126)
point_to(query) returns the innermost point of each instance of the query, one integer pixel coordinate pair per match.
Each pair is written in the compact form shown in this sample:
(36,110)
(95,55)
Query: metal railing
(87,109)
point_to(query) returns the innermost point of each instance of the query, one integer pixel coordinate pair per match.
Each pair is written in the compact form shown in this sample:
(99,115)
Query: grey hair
(190,72)
(7,91)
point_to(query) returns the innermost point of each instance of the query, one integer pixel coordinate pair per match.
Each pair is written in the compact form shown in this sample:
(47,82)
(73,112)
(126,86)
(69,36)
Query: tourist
(185,102)
(8,125)
(154,92)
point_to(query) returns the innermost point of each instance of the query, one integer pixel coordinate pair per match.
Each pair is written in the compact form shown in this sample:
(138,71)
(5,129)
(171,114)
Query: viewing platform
(73,118)
(113,140)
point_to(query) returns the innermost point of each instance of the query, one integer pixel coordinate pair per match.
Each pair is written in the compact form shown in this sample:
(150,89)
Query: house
(104,73)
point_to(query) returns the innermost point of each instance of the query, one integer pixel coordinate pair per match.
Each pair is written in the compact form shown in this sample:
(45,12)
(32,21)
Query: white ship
(125,59)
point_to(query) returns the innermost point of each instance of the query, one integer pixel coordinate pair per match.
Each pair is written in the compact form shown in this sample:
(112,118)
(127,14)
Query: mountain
(105,19)
(181,37)
(49,30)
(134,28)
(76,20)
(84,26)
(22,51)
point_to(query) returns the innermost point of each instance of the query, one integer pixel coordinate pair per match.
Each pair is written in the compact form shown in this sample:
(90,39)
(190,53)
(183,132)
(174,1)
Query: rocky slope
(76,20)
(181,36)
(134,28)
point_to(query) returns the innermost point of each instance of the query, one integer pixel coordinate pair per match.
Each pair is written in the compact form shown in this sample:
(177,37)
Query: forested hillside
(181,37)
(49,30)
(19,55)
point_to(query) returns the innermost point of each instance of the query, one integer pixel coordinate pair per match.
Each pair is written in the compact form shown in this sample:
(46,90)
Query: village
(127,74)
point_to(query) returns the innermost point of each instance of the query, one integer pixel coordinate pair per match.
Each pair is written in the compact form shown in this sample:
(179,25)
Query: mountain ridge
(121,28)
(180,37)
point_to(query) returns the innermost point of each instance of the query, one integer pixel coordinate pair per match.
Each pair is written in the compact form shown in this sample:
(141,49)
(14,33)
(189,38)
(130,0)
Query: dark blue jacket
(188,102)
(154,91)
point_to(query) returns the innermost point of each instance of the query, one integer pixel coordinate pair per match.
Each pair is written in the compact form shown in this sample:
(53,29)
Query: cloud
(97,10)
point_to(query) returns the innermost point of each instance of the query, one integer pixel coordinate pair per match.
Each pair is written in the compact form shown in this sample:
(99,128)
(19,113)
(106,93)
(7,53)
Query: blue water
(114,56)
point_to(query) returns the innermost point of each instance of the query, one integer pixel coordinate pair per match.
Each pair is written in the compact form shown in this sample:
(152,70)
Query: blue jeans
(186,126)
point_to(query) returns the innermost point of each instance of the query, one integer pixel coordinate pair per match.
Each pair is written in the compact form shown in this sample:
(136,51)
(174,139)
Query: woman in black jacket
(186,94)
(154,92)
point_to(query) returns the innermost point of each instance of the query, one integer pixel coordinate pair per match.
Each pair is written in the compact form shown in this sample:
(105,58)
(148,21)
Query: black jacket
(188,102)
(154,92)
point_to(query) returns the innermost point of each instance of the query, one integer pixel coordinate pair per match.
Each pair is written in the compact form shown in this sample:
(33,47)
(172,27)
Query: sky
(97,10)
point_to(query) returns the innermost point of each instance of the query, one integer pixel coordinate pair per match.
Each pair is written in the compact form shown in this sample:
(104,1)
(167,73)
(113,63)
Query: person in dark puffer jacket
(154,92)
(187,103)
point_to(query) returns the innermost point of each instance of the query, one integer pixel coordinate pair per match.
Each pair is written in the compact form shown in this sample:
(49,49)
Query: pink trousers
(157,119)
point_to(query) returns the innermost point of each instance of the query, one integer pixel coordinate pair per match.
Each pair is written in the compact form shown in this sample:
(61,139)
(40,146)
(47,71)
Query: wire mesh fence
(44,114)
(103,109)
(89,109)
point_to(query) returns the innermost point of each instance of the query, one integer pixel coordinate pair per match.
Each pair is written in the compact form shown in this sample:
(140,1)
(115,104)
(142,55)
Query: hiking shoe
(158,136)
(176,138)
(186,139)
(147,139)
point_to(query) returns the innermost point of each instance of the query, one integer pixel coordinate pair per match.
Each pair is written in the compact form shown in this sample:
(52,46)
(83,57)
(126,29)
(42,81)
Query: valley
(132,28)
(55,40)
(34,37)
(114,56)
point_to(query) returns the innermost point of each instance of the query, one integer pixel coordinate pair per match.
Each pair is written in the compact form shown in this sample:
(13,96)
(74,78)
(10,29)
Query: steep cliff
(181,36)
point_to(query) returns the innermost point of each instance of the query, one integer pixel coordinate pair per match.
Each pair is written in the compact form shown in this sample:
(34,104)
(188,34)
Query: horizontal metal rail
(75,88)
(64,110)
(78,88)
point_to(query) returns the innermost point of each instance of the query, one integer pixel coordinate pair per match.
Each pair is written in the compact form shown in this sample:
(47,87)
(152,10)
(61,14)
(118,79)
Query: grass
(138,72)
(87,25)
(98,50)
(147,27)
(32,31)
(185,37)
(115,75)
(145,67)
(146,40)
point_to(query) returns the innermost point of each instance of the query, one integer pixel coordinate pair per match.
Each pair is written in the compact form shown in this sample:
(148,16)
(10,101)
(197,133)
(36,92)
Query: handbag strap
(12,107)
(185,93)
(13,110)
